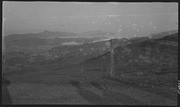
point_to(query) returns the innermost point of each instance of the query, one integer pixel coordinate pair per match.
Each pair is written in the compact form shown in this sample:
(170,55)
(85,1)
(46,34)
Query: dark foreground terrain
(76,85)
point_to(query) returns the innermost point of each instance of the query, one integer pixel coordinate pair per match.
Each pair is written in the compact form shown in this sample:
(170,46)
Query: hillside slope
(143,62)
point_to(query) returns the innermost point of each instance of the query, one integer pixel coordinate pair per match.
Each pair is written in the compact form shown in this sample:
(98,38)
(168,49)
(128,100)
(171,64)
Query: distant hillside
(37,42)
(44,34)
(171,38)
(36,39)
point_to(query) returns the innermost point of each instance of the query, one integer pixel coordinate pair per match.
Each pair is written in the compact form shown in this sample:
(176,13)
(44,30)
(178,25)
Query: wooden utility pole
(112,70)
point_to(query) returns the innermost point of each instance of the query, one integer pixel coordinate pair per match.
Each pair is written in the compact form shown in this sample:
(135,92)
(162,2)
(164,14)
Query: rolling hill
(40,42)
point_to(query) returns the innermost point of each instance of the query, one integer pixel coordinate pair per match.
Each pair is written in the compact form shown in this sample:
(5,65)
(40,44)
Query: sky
(124,18)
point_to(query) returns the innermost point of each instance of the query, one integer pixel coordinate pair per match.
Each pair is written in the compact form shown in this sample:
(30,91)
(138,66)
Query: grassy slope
(146,64)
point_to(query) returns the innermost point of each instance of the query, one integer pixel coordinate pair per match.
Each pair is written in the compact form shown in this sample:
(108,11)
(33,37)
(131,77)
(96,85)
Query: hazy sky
(122,18)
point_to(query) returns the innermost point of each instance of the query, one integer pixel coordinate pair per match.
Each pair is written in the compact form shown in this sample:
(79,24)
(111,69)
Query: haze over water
(126,19)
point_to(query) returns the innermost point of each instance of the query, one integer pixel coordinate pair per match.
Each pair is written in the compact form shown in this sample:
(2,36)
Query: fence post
(112,66)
